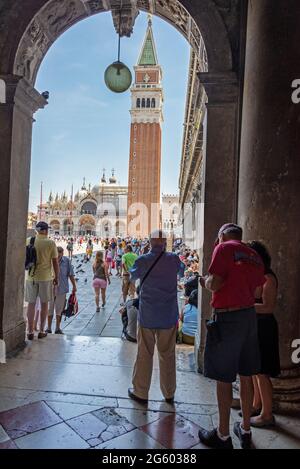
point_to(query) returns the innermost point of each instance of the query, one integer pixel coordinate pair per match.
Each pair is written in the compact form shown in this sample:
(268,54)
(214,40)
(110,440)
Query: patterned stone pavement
(71,391)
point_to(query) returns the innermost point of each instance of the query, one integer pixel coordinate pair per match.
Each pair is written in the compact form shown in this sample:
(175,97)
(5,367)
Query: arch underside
(56,16)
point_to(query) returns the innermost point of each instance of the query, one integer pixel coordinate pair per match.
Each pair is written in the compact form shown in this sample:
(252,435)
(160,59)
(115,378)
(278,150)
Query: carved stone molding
(129,13)
(220,87)
(20,92)
(52,20)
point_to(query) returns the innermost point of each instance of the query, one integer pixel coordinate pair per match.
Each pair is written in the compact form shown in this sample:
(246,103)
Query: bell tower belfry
(145,141)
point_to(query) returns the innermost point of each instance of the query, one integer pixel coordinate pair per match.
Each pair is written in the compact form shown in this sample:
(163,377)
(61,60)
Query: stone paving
(107,323)
(71,392)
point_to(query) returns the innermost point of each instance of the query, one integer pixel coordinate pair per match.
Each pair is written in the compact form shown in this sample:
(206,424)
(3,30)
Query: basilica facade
(98,211)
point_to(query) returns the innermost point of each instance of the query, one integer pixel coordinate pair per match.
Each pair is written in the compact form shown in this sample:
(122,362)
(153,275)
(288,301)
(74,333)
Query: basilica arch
(87,225)
(89,207)
(55,226)
(68,227)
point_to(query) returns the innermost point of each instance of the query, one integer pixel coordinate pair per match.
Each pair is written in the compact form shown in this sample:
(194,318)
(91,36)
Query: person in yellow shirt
(41,278)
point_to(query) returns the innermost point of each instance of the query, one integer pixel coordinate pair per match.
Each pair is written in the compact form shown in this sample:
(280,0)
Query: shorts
(128,288)
(99,283)
(43,290)
(58,304)
(236,351)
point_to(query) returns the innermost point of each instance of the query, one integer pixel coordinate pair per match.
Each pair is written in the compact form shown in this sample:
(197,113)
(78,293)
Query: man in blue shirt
(66,272)
(158,316)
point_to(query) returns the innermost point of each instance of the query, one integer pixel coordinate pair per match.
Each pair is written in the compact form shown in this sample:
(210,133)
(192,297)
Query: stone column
(219,191)
(16,117)
(269,201)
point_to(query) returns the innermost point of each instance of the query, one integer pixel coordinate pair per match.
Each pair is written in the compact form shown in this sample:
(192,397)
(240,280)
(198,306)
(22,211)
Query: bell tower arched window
(143,102)
(148,102)
(153,102)
(138,102)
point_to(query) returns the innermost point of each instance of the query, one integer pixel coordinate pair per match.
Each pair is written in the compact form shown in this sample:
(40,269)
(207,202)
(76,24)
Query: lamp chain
(119,44)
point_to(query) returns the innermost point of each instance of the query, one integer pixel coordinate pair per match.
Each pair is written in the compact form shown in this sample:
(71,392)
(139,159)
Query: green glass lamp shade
(118,77)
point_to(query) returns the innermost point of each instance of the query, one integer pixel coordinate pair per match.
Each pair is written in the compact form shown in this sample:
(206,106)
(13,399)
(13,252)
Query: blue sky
(85,127)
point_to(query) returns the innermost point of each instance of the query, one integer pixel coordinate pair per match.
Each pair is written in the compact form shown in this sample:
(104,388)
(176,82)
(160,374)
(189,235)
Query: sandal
(262,423)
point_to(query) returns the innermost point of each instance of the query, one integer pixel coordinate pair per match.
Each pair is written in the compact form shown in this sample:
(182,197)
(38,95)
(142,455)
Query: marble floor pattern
(71,392)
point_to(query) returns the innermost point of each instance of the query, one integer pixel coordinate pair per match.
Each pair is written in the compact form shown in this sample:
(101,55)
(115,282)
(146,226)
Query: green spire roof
(148,54)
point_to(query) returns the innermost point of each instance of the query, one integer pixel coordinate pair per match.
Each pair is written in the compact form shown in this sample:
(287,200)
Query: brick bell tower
(145,141)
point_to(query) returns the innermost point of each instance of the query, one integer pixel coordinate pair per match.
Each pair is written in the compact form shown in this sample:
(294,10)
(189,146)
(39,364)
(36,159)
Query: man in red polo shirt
(236,277)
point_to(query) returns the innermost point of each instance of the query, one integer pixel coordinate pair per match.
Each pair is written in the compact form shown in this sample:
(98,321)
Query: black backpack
(31,257)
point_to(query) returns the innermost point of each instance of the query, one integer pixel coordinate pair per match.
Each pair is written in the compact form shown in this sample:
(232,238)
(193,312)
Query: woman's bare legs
(257,403)
(266,393)
(103,294)
(97,295)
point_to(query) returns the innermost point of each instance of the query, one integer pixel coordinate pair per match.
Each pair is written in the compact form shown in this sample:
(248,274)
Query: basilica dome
(96,190)
(83,191)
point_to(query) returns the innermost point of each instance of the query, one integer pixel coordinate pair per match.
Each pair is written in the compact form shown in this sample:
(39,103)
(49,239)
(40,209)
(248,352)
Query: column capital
(220,87)
(21,93)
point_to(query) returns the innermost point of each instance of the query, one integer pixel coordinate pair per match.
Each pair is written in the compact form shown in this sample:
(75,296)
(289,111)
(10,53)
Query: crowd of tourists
(242,335)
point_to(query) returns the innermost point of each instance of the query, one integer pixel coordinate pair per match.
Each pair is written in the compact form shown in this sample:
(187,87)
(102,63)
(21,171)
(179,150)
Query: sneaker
(98,309)
(48,331)
(42,335)
(103,305)
(30,336)
(136,398)
(59,331)
(129,338)
(212,440)
(245,438)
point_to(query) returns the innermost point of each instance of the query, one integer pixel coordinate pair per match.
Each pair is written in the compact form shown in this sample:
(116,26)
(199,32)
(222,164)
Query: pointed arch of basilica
(68,227)
(55,226)
(250,141)
(87,225)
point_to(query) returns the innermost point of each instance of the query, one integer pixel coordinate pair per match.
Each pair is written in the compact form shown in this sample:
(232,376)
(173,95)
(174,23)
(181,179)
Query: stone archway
(214,34)
(68,227)
(88,207)
(87,225)
(43,21)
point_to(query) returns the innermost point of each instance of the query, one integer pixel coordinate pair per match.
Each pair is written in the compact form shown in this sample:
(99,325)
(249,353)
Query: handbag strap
(150,270)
